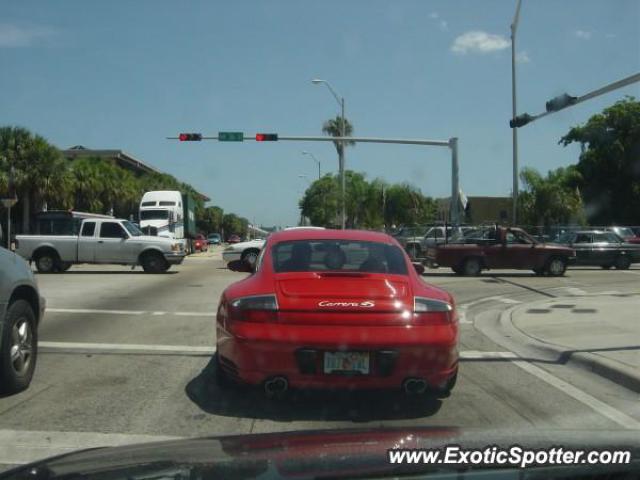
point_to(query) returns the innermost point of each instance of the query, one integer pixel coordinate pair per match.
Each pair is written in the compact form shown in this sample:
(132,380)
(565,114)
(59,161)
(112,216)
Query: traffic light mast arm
(565,101)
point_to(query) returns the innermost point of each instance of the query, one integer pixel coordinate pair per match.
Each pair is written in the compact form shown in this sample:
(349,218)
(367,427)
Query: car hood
(308,454)
(244,245)
(153,239)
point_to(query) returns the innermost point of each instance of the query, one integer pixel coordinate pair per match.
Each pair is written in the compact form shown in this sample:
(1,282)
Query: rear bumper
(250,355)
(174,258)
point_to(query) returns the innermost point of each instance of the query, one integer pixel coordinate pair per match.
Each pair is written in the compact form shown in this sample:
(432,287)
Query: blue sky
(126,74)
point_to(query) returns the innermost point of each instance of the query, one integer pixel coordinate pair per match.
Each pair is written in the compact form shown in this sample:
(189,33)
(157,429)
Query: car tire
(19,348)
(64,266)
(154,263)
(622,262)
(221,378)
(556,266)
(47,262)
(472,267)
(250,256)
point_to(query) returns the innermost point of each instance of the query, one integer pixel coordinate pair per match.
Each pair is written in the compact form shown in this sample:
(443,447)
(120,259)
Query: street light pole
(514,28)
(315,160)
(342,144)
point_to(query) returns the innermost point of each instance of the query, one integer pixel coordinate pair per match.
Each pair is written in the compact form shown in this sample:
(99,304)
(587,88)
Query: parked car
(21,311)
(101,240)
(601,248)
(626,233)
(245,251)
(214,239)
(234,239)
(410,239)
(336,309)
(200,243)
(500,247)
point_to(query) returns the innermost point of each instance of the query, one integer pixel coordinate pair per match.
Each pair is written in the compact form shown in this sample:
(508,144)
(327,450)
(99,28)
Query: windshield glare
(132,229)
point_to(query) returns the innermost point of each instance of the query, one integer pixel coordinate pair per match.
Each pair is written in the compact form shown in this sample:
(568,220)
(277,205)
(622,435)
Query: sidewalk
(598,332)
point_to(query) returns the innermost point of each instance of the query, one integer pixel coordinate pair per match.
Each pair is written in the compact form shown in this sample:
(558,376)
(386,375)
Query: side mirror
(419,268)
(240,266)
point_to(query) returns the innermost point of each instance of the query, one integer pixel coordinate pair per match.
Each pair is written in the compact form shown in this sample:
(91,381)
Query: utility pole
(514,111)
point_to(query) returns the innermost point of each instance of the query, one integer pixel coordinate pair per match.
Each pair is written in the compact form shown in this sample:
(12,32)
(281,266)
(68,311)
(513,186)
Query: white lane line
(129,312)
(19,447)
(598,406)
(462,308)
(478,355)
(197,350)
(576,292)
(124,348)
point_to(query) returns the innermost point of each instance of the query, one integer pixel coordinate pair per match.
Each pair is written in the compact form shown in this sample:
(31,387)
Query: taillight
(431,311)
(258,308)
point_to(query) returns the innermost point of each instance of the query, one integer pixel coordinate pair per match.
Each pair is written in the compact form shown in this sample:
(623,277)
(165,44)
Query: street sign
(230,136)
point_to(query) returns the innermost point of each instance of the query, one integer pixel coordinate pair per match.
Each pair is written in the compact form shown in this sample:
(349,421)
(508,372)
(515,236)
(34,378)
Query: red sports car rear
(337,309)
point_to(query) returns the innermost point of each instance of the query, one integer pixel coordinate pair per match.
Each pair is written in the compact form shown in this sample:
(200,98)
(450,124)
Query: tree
(333,127)
(610,164)
(211,220)
(320,203)
(233,224)
(554,199)
(406,205)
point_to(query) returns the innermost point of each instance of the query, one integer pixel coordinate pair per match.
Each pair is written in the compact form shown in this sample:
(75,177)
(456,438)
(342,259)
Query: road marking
(576,292)
(129,312)
(478,355)
(197,350)
(19,447)
(598,406)
(462,308)
(79,347)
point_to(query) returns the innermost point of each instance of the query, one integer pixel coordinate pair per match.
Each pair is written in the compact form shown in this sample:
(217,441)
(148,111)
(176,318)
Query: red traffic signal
(266,137)
(190,137)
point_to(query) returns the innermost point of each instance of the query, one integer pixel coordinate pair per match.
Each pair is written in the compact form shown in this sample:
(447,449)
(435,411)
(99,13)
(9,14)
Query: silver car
(21,310)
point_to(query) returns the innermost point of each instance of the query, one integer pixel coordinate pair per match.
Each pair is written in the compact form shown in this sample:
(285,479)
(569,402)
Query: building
(120,158)
(480,210)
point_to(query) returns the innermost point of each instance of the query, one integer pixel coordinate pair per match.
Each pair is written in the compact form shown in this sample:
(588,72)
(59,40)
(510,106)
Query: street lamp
(341,159)
(514,28)
(316,160)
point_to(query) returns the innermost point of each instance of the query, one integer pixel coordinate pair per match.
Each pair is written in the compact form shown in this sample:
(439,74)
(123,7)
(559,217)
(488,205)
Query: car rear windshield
(338,255)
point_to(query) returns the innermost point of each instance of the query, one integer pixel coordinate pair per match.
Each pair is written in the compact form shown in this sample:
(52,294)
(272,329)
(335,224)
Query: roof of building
(121,157)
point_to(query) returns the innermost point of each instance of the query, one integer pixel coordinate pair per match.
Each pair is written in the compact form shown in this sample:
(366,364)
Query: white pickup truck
(101,240)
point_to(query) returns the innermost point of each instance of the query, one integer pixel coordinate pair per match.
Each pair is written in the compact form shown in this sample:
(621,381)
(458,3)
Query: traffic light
(190,137)
(521,120)
(266,137)
(562,101)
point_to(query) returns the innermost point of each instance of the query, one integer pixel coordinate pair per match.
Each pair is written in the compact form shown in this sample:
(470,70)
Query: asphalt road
(125,357)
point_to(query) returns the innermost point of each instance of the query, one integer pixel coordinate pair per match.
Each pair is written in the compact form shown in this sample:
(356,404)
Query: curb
(612,370)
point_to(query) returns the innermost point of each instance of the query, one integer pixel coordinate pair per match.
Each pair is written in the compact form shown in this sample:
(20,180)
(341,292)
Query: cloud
(523,57)
(479,42)
(22,36)
(582,34)
(442,23)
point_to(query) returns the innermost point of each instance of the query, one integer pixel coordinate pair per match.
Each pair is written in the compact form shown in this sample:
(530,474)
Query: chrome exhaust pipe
(414,386)
(276,386)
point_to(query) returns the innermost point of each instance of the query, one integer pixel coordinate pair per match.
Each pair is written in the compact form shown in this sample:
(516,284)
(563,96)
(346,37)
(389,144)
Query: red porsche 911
(336,309)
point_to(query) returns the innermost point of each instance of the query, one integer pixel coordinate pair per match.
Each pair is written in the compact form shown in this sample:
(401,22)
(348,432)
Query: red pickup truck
(500,247)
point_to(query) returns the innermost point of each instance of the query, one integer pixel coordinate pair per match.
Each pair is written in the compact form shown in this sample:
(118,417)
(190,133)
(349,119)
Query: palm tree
(333,128)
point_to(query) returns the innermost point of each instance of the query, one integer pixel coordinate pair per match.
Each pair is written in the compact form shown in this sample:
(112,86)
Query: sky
(126,74)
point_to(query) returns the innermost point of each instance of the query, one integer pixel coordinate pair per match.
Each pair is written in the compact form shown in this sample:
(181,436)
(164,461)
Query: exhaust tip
(276,386)
(414,386)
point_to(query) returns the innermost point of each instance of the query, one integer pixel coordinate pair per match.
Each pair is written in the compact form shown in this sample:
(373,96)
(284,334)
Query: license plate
(346,362)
